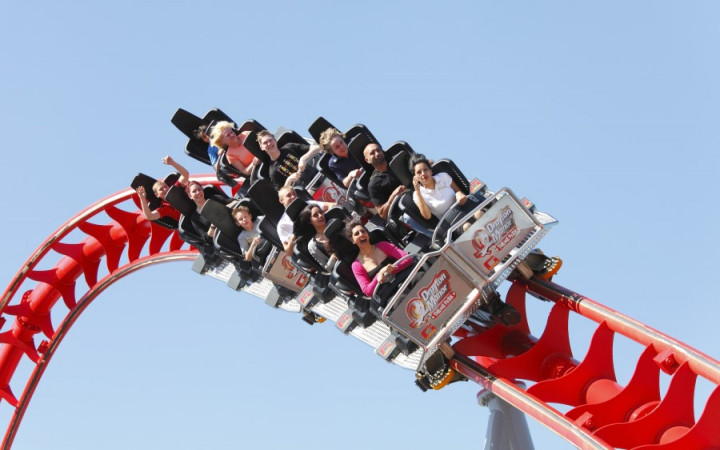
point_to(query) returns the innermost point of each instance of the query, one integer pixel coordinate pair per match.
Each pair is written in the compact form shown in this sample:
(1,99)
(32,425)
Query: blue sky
(604,114)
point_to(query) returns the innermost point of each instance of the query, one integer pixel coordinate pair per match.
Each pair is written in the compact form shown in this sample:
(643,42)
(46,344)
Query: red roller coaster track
(603,414)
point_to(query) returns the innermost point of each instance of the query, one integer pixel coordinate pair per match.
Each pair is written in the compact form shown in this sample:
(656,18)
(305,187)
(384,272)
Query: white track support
(507,427)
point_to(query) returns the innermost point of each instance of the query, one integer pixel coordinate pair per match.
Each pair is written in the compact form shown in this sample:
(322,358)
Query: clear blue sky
(605,115)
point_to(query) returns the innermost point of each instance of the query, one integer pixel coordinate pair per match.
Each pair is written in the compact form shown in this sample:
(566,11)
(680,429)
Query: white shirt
(440,199)
(285,225)
(284,228)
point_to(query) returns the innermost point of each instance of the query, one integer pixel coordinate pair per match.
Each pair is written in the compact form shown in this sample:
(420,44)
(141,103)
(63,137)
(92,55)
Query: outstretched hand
(292,179)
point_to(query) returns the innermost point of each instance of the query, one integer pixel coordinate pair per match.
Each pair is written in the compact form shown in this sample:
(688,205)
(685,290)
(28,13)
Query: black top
(287,163)
(380,186)
(385,262)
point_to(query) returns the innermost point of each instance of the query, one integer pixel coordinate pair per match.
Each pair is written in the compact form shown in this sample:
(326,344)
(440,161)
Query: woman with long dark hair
(375,263)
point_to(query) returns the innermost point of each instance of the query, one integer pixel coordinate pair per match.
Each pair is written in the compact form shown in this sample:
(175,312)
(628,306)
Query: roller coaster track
(603,414)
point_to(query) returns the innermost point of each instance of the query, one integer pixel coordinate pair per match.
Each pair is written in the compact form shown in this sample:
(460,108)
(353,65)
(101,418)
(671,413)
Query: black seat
(226,172)
(220,215)
(285,136)
(318,126)
(399,165)
(199,240)
(302,257)
(323,166)
(383,292)
(357,129)
(216,115)
(356,146)
(264,195)
(316,129)
(449,167)
(187,123)
(359,187)
(178,199)
(295,207)
(153,201)
(269,232)
(262,171)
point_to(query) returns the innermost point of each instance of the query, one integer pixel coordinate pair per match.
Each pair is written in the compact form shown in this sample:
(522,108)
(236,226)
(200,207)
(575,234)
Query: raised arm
(314,150)
(250,253)
(184,174)
(145,206)
(289,245)
(351,176)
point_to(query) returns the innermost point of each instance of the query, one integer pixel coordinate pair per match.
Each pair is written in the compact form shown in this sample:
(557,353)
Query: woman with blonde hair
(230,144)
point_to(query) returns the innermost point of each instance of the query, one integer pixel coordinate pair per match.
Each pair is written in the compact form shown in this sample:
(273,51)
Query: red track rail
(604,413)
(120,244)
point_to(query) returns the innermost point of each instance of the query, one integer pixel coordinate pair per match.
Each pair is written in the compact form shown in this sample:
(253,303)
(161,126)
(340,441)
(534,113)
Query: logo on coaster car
(331,194)
(386,348)
(292,271)
(288,265)
(328,192)
(305,298)
(431,300)
(496,234)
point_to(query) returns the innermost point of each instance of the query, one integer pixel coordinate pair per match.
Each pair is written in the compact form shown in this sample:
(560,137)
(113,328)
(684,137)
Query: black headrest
(285,136)
(172,178)
(250,204)
(178,199)
(449,167)
(251,125)
(197,149)
(356,146)
(359,128)
(399,168)
(253,147)
(220,215)
(336,212)
(211,191)
(268,231)
(264,195)
(186,122)
(334,226)
(377,235)
(317,128)
(147,182)
(294,208)
(216,115)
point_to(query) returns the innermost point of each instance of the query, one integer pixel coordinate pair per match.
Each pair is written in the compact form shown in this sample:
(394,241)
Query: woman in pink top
(375,263)
(223,136)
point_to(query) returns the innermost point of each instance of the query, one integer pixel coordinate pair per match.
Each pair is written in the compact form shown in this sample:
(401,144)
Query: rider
(230,143)
(160,189)
(287,163)
(341,164)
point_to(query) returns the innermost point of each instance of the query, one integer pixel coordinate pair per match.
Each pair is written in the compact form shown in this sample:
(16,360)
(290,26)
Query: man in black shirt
(288,162)
(383,186)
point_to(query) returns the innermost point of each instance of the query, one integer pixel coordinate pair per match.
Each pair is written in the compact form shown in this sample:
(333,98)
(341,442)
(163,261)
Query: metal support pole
(507,427)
